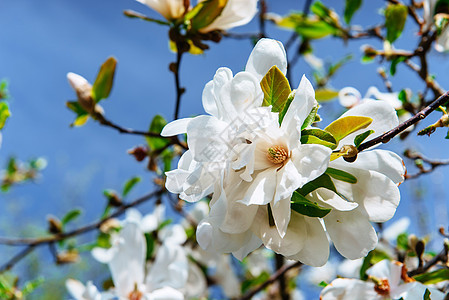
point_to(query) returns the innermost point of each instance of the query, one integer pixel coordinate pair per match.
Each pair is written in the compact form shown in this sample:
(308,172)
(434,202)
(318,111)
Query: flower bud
(54,225)
(350,153)
(83,91)
(68,257)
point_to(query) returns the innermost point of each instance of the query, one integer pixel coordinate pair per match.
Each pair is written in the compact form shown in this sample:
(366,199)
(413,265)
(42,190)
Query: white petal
(245,92)
(166,293)
(332,200)
(349,289)
(293,241)
(239,217)
(377,195)
(75,288)
(173,234)
(391,98)
(385,162)
(253,243)
(349,97)
(262,189)
(207,139)
(351,233)
(316,250)
(281,214)
(170,9)
(133,215)
(103,255)
(311,161)
(176,127)
(76,81)
(302,104)
(383,115)
(235,13)
(266,53)
(288,180)
(391,232)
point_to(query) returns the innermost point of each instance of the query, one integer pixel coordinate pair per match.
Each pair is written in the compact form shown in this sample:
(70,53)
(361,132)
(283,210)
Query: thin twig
(279,259)
(16,258)
(270,280)
(433,164)
(386,137)
(442,256)
(179,89)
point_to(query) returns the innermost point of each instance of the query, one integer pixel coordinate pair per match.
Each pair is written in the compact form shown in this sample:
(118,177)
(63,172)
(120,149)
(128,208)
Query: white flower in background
(386,281)
(80,291)
(233,103)
(442,41)
(169,9)
(316,275)
(268,168)
(126,261)
(375,195)
(235,13)
(350,268)
(149,222)
(391,232)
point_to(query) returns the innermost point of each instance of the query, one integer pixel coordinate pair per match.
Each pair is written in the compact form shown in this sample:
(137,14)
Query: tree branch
(179,89)
(433,163)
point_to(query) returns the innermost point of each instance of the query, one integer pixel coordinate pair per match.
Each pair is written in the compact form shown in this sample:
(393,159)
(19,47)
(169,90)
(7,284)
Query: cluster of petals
(235,13)
(257,164)
(166,277)
(387,280)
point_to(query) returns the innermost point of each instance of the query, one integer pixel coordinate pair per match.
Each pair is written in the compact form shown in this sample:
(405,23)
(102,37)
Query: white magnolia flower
(268,168)
(79,291)
(233,103)
(126,261)
(375,195)
(149,222)
(235,13)
(386,281)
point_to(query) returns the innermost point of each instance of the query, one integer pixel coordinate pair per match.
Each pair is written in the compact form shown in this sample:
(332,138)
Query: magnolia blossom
(235,13)
(375,195)
(233,104)
(442,41)
(126,261)
(387,280)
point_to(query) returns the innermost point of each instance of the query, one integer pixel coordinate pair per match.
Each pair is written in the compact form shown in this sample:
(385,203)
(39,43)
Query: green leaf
(395,17)
(426,295)
(4,113)
(70,216)
(351,7)
(402,241)
(341,175)
(311,118)
(308,28)
(30,286)
(366,265)
(275,88)
(81,115)
(323,181)
(306,207)
(394,62)
(252,282)
(342,127)
(433,277)
(282,113)
(323,284)
(318,136)
(129,185)
(151,243)
(361,137)
(325,94)
(3,89)
(205,12)
(103,240)
(447,135)
(103,84)
(156,143)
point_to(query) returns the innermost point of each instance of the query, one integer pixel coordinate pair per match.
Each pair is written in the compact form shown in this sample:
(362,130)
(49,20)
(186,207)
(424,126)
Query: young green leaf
(395,17)
(350,8)
(276,89)
(306,207)
(129,185)
(343,127)
(205,12)
(70,216)
(361,137)
(325,94)
(4,113)
(433,277)
(323,181)
(156,143)
(103,84)
(426,295)
(394,62)
(311,118)
(318,136)
(341,175)
(282,113)
(81,115)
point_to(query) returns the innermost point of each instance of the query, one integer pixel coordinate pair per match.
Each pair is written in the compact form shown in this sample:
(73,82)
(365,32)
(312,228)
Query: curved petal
(252,244)
(385,162)
(235,13)
(301,105)
(246,92)
(349,289)
(349,97)
(288,180)
(207,139)
(351,233)
(170,9)
(173,234)
(316,251)
(311,161)
(377,195)
(383,115)
(262,189)
(166,293)
(293,241)
(75,288)
(281,214)
(238,217)
(176,127)
(332,200)
(266,53)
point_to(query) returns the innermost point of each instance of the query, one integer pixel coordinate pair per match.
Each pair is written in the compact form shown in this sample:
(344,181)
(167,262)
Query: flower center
(277,154)
(381,286)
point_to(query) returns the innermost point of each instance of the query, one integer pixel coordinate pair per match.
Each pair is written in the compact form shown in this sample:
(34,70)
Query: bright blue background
(40,41)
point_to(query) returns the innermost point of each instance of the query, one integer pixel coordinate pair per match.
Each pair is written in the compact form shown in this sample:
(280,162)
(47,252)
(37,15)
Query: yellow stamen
(277,154)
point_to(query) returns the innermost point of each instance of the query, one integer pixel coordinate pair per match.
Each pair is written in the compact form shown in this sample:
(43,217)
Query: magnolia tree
(276,183)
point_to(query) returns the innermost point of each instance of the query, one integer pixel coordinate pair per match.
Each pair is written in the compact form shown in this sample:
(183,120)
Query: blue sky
(43,40)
